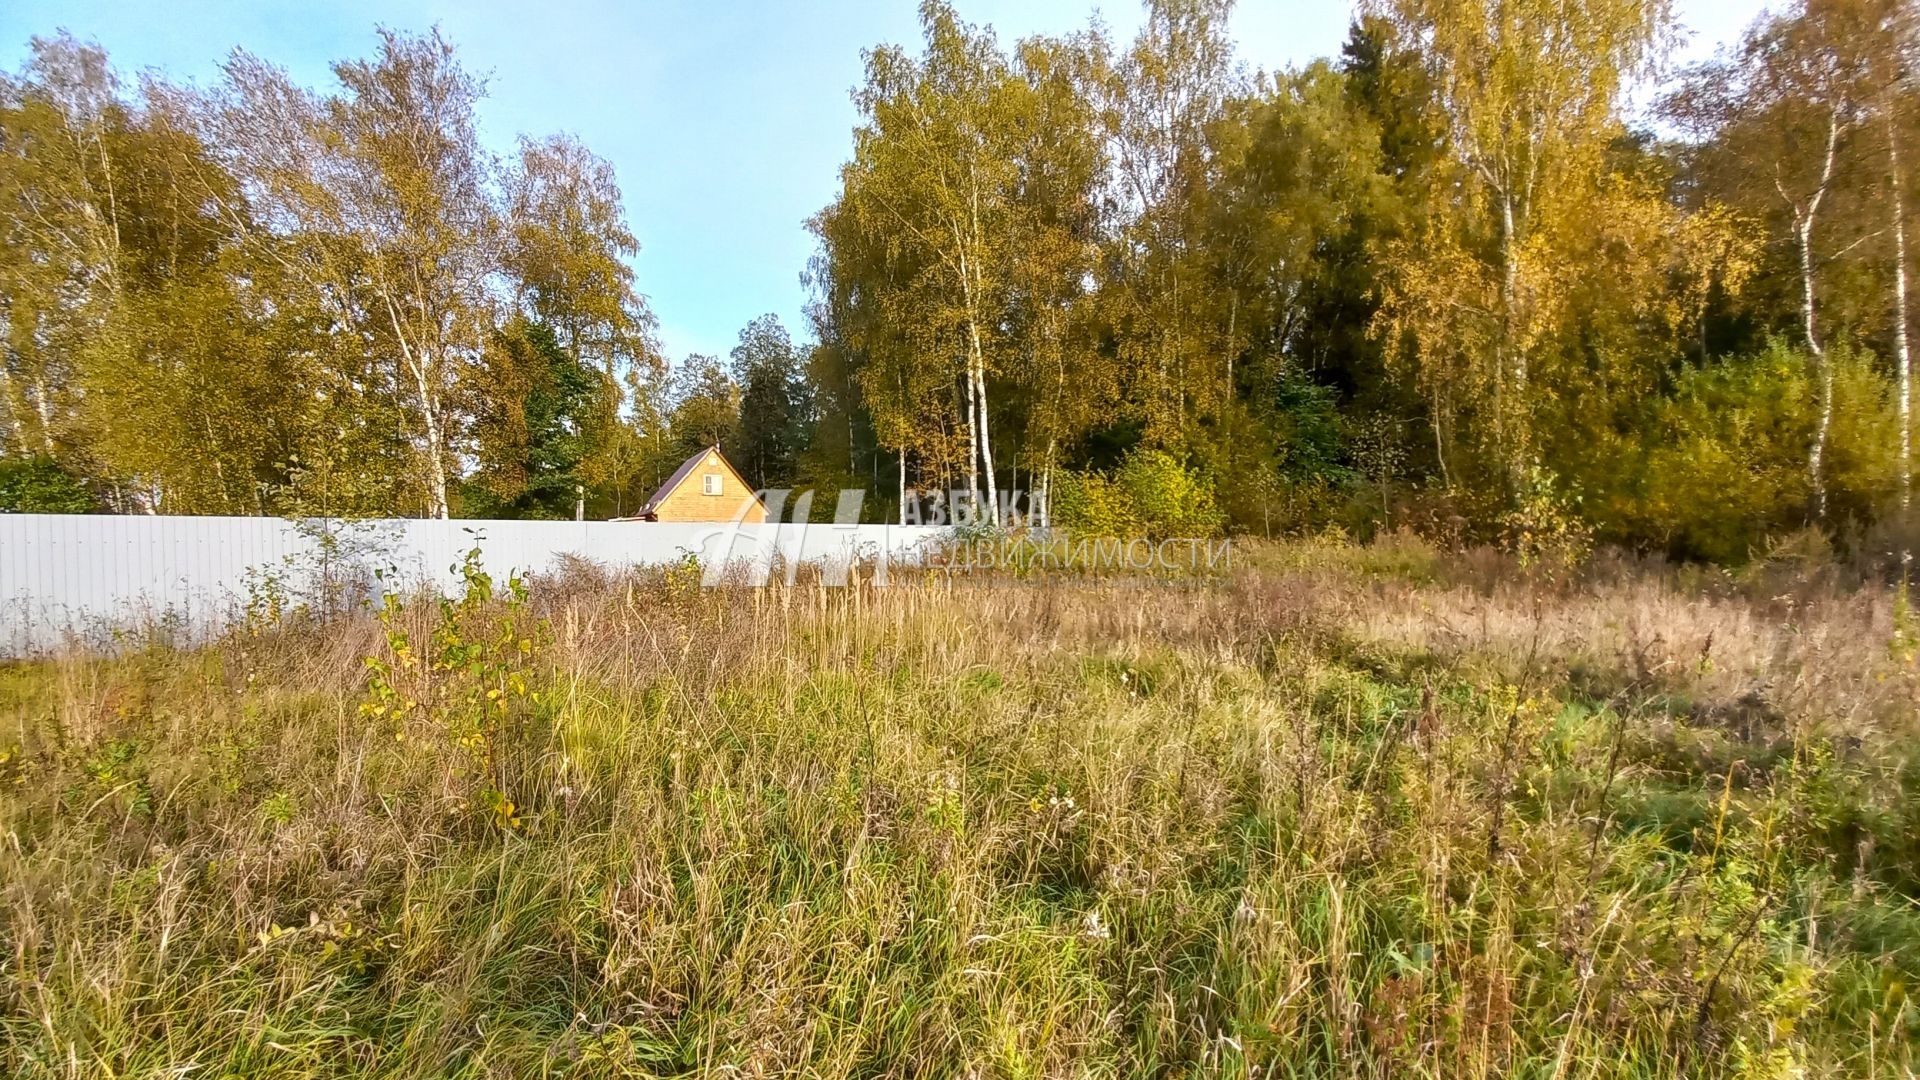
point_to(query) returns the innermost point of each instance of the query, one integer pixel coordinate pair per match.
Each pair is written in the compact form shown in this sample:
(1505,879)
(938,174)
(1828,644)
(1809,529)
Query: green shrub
(1170,498)
(1088,503)
(1727,458)
(38,485)
(1152,492)
(1545,527)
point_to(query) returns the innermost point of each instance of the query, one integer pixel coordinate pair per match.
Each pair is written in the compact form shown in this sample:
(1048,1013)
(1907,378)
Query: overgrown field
(1353,811)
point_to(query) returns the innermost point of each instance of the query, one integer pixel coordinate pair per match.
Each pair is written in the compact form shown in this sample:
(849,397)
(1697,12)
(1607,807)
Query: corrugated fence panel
(93,577)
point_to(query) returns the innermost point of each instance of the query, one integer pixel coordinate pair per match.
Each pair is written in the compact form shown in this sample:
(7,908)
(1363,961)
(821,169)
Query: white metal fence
(68,575)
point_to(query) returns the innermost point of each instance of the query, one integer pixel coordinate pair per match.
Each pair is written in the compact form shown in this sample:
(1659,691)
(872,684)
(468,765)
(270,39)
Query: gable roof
(680,475)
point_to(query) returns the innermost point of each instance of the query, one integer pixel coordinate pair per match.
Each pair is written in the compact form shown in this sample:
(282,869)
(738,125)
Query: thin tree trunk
(416,365)
(1511,398)
(969,266)
(1233,319)
(903,485)
(978,436)
(219,469)
(1046,491)
(986,440)
(436,454)
(9,423)
(1901,357)
(1013,483)
(1823,371)
(1058,423)
(43,407)
(973,439)
(1440,443)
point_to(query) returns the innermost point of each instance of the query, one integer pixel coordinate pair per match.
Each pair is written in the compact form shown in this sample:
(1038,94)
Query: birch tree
(1786,108)
(123,297)
(384,187)
(59,233)
(1895,53)
(567,251)
(1902,358)
(1061,378)
(933,186)
(1527,92)
(1157,100)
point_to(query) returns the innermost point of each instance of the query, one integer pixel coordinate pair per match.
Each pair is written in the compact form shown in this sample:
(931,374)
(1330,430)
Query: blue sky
(725,121)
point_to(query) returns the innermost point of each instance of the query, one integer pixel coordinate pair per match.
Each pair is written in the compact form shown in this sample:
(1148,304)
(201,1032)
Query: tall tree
(1782,113)
(1528,94)
(569,253)
(1894,54)
(1059,377)
(1158,100)
(532,409)
(934,173)
(706,406)
(385,187)
(775,410)
(59,237)
(125,296)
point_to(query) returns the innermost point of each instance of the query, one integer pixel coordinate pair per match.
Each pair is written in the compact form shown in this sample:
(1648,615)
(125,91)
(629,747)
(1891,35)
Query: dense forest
(1447,280)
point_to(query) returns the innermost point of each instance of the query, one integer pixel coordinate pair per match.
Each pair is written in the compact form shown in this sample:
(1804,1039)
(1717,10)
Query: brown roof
(679,474)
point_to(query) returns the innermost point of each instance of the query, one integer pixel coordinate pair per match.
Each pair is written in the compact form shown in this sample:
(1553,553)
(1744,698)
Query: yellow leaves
(334,938)
(12,765)
(1714,245)
(1445,298)
(1504,698)
(504,813)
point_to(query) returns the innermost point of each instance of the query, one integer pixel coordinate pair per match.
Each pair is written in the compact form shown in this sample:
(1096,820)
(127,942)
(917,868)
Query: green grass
(1335,816)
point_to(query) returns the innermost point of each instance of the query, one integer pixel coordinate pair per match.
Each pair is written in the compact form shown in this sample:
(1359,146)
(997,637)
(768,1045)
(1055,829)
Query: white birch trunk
(973,441)
(43,407)
(979,369)
(416,365)
(976,360)
(436,453)
(1513,398)
(1903,365)
(1823,372)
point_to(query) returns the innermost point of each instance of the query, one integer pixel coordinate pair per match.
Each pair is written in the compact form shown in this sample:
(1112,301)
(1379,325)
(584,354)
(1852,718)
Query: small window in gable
(710,483)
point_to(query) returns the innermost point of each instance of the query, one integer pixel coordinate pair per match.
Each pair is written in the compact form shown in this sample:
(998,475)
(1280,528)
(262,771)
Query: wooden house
(706,487)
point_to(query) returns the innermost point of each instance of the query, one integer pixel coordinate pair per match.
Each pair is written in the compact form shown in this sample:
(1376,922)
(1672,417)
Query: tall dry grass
(1351,811)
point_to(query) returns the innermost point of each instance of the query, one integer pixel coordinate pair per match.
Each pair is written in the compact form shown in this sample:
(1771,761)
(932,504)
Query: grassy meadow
(1348,811)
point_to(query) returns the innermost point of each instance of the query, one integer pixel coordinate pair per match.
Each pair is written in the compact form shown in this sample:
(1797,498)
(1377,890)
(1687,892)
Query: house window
(710,484)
